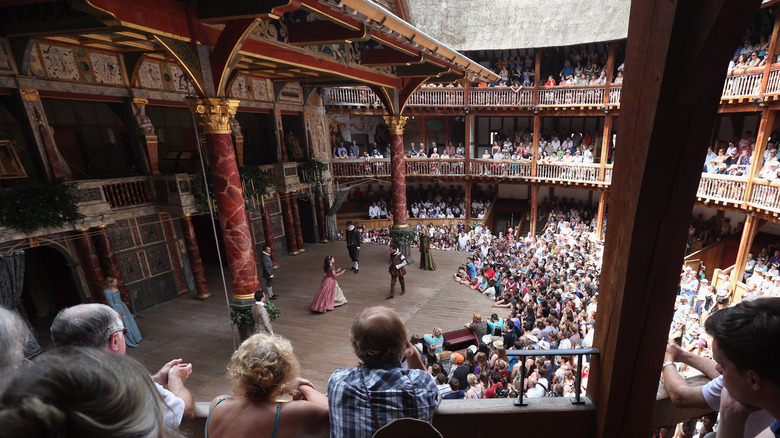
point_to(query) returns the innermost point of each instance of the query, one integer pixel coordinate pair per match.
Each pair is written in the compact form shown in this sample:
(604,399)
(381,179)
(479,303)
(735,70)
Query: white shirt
(173,415)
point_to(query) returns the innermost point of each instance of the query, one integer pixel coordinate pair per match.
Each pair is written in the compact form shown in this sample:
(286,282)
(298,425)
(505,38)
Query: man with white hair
(100,326)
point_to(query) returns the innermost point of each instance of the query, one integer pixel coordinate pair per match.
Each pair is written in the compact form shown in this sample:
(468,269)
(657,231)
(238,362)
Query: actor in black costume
(353,245)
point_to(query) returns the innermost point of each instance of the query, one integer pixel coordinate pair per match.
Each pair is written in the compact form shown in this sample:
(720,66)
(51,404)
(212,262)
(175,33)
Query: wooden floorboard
(199,331)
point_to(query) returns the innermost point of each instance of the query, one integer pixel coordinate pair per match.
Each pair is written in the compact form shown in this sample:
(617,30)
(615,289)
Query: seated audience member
(746,346)
(99,326)
(82,392)
(363,399)
(13,334)
(455,391)
(264,368)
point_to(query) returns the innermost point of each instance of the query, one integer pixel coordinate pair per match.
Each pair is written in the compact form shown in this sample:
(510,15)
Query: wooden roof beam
(217,11)
(324,32)
(378,57)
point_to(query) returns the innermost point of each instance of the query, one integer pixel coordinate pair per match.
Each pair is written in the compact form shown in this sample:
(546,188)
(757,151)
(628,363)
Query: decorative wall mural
(130,266)
(158,260)
(151,229)
(120,237)
(106,68)
(260,88)
(291,92)
(6,65)
(274,30)
(238,88)
(180,81)
(59,61)
(150,75)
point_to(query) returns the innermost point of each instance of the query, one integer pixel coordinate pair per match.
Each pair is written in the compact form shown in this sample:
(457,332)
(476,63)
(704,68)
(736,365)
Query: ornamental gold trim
(215,114)
(396,124)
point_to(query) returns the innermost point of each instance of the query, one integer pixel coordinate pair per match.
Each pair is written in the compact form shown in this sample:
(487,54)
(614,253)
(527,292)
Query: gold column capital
(30,95)
(215,114)
(396,124)
(140,101)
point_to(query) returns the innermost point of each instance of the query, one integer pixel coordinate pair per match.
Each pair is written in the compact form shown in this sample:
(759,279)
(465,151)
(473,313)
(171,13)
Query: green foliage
(310,172)
(273,311)
(30,208)
(401,237)
(241,317)
(256,183)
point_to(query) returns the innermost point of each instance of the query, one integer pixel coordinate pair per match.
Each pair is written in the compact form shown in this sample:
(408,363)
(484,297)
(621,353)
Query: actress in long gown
(426,258)
(114,299)
(329,294)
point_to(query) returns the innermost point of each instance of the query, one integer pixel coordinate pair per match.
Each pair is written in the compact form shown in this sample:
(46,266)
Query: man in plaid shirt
(380,390)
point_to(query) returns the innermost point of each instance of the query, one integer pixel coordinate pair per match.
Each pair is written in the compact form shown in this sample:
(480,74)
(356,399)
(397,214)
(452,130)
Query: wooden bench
(461,338)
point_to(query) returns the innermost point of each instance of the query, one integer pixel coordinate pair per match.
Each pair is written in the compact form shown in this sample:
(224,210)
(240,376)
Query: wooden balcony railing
(615,92)
(435,166)
(562,172)
(773,83)
(722,188)
(504,168)
(501,96)
(129,193)
(590,95)
(360,168)
(349,96)
(766,195)
(437,97)
(742,85)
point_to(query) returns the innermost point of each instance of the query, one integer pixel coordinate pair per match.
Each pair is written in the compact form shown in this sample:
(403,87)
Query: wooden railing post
(767,124)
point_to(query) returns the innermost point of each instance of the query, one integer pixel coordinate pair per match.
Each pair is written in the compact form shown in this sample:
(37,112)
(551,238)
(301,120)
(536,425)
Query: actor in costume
(363,399)
(396,270)
(353,245)
(268,272)
(426,258)
(329,295)
(260,315)
(114,300)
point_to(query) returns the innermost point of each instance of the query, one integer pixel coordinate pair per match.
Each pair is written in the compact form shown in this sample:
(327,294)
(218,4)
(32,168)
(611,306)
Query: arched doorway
(50,285)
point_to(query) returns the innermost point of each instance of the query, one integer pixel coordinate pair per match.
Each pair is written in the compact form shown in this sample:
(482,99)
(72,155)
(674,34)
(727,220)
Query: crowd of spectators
(429,202)
(751,53)
(572,147)
(737,158)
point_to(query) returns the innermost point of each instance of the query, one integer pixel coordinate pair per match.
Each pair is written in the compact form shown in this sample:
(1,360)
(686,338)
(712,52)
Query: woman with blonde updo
(264,368)
(82,392)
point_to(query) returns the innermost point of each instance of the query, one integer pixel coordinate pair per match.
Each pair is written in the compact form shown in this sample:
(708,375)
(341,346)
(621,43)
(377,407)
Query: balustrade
(352,96)
(437,97)
(568,172)
(742,85)
(571,96)
(434,166)
(615,92)
(361,168)
(501,96)
(773,83)
(766,195)
(128,193)
(722,188)
(503,168)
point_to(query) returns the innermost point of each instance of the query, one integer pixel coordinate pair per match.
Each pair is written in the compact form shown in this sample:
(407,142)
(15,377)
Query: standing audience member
(379,390)
(263,369)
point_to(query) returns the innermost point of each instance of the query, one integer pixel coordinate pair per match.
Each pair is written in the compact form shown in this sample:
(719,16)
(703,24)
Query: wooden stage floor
(200,332)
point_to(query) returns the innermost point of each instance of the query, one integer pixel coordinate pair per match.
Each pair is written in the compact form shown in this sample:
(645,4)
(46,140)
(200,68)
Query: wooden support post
(468,200)
(770,54)
(765,128)
(603,199)
(538,81)
(606,141)
(652,194)
(535,144)
(752,225)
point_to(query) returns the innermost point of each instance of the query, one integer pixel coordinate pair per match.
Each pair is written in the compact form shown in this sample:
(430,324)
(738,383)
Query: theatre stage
(200,332)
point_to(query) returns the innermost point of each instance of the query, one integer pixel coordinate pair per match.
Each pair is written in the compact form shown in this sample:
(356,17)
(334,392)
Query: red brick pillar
(215,115)
(398,170)
(193,253)
(91,264)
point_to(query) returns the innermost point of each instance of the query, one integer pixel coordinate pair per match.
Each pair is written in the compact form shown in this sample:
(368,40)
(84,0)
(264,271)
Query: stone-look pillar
(289,226)
(173,251)
(193,253)
(321,206)
(603,199)
(146,130)
(215,115)
(268,231)
(396,124)
(297,222)
(91,264)
(534,208)
(109,262)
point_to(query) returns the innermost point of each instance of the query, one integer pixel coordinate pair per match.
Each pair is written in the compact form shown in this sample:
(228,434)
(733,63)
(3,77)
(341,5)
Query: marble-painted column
(193,253)
(321,206)
(289,226)
(268,232)
(396,124)
(109,262)
(90,262)
(215,115)
(297,223)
